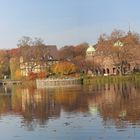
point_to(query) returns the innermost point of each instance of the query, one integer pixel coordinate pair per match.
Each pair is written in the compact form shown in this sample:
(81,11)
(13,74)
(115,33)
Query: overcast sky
(65,22)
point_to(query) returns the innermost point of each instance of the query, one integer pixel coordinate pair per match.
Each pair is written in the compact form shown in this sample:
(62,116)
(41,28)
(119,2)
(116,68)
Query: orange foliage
(32,76)
(17,74)
(41,74)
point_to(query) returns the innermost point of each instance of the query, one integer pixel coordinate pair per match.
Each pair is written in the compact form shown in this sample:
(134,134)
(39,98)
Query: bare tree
(121,48)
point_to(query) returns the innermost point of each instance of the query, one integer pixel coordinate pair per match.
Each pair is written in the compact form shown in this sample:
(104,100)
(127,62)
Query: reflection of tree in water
(5,100)
(115,103)
(119,104)
(72,99)
(39,106)
(5,104)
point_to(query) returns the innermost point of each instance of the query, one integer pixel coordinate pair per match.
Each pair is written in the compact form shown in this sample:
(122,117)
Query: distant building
(90,52)
(107,66)
(43,64)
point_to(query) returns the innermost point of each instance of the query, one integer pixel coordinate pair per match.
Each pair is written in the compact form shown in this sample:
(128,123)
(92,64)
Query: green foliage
(4,63)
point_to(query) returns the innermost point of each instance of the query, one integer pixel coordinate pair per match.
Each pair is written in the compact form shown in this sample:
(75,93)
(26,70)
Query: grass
(87,80)
(112,79)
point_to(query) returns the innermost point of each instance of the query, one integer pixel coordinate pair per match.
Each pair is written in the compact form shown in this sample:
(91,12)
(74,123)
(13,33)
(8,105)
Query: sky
(65,22)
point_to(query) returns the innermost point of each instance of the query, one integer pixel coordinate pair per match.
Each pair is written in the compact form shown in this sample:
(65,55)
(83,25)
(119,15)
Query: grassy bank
(87,80)
(112,79)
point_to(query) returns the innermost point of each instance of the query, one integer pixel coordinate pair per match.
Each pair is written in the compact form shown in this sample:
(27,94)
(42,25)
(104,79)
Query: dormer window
(118,44)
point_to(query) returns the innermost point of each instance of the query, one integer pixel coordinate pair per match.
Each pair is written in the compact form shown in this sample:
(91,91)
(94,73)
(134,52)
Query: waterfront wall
(57,82)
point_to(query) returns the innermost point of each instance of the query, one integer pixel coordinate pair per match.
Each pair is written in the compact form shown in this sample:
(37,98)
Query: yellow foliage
(64,68)
(14,68)
(17,75)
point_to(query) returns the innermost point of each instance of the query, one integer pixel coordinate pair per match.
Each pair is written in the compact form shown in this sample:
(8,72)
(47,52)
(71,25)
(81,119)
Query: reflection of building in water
(117,103)
(104,94)
(93,109)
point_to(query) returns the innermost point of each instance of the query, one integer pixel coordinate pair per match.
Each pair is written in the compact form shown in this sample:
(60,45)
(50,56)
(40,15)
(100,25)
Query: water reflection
(117,104)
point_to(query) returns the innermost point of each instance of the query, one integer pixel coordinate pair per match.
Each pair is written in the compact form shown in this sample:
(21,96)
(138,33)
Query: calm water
(95,112)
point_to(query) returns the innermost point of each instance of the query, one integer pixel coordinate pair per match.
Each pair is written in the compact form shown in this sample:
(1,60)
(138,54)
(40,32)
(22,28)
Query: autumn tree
(93,66)
(70,52)
(124,54)
(15,68)
(14,52)
(80,50)
(33,49)
(24,46)
(64,68)
(42,75)
(121,47)
(117,34)
(4,63)
(121,56)
(80,63)
(66,52)
(32,76)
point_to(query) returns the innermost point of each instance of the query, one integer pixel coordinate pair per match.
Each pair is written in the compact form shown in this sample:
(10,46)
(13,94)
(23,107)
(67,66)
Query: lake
(95,112)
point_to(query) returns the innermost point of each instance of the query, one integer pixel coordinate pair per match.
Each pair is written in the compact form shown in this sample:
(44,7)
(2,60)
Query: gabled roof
(53,52)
